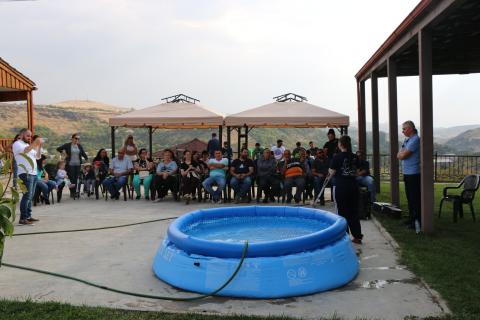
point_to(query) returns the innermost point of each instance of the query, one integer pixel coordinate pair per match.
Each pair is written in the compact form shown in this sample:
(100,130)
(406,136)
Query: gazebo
(288,111)
(177,112)
(15,86)
(438,37)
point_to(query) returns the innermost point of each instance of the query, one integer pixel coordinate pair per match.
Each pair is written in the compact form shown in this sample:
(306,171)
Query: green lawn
(448,259)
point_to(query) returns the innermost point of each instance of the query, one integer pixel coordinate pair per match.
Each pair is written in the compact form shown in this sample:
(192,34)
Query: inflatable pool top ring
(292,251)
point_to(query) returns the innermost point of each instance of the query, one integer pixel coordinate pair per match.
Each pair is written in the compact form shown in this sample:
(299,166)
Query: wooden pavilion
(438,37)
(15,86)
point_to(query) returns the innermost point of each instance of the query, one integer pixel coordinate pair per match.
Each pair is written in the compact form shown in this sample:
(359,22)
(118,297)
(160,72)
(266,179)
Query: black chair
(470,186)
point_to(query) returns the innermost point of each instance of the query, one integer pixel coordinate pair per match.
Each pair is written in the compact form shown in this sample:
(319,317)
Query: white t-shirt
(278,152)
(19,147)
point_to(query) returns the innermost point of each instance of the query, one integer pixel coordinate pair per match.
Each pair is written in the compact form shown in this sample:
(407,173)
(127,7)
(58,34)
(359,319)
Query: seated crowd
(277,172)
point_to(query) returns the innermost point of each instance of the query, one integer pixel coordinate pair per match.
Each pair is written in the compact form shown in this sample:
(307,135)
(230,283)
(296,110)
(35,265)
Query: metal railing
(447,168)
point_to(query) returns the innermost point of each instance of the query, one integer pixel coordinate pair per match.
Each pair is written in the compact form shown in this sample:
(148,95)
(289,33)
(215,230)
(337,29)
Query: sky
(231,55)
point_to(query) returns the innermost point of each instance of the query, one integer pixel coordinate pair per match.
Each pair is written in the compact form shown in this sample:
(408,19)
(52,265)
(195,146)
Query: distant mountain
(466,142)
(444,134)
(59,121)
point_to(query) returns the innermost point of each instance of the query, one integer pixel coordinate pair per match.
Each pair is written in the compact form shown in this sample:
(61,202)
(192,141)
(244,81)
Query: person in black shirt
(319,173)
(363,175)
(344,168)
(331,146)
(144,169)
(313,149)
(100,163)
(190,172)
(241,171)
(227,151)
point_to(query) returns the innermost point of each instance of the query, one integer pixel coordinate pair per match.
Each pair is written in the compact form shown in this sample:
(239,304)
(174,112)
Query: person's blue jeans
(30,182)
(114,185)
(241,186)
(220,181)
(46,186)
(368,182)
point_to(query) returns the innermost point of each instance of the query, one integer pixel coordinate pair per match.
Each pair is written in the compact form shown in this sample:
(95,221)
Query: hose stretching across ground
(134,294)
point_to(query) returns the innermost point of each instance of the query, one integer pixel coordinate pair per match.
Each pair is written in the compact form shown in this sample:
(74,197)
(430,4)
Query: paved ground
(122,258)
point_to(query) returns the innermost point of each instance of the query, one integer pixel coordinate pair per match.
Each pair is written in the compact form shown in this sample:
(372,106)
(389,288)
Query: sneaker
(25,222)
(158,200)
(220,201)
(187,199)
(137,198)
(147,198)
(32,219)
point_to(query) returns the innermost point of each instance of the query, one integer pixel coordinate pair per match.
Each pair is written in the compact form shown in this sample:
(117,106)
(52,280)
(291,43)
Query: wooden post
(30,111)
(246,136)
(150,144)
(362,125)
(375,132)
(393,128)
(112,134)
(426,128)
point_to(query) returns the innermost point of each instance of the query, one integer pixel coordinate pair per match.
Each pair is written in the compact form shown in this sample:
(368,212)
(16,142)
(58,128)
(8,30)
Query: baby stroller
(78,185)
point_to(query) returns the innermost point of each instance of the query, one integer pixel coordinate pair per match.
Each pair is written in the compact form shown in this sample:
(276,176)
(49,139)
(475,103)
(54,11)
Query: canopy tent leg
(220,135)
(112,134)
(246,137)
(150,146)
(239,138)
(229,139)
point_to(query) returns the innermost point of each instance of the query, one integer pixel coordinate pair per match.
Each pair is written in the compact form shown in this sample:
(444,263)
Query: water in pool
(255,229)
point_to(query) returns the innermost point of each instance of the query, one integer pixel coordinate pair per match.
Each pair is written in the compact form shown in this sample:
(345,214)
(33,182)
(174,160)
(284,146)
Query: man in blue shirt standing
(213,145)
(410,156)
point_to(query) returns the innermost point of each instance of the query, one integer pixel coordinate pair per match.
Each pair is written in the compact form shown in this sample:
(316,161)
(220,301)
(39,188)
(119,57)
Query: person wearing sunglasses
(74,154)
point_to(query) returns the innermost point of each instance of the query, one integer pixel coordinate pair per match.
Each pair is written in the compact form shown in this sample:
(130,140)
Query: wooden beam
(362,125)
(409,36)
(6,96)
(30,112)
(426,129)
(393,128)
(375,132)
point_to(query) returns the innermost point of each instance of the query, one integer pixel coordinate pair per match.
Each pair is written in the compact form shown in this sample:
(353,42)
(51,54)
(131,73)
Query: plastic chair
(470,186)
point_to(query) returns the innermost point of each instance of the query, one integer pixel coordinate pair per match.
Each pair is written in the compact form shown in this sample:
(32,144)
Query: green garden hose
(135,294)
(92,229)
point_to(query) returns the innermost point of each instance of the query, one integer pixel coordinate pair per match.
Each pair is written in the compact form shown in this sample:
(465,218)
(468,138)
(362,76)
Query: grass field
(449,259)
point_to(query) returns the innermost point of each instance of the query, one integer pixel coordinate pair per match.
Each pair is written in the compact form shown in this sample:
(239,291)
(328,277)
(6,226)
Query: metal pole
(220,136)
(112,134)
(239,130)
(229,133)
(150,146)
(375,132)
(393,128)
(426,129)
(246,136)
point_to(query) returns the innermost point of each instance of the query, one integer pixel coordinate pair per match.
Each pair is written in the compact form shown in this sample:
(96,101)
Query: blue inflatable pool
(292,251)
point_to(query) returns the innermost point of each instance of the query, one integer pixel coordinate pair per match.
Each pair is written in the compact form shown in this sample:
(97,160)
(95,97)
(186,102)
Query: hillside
(466,142)
(90,119)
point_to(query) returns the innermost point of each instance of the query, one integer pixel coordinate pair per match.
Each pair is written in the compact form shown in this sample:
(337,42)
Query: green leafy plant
(8,201)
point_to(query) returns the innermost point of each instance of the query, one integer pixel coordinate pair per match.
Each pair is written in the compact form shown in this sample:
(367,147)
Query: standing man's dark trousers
(412,190)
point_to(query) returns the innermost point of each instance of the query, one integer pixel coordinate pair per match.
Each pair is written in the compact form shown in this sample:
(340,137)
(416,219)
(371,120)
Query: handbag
(143,174)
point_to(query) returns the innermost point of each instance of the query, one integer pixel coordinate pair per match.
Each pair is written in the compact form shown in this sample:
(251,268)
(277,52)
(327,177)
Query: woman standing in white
(26,154)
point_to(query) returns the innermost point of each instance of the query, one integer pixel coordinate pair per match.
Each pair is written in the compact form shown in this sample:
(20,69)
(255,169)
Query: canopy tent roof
(170,115)
(288,114)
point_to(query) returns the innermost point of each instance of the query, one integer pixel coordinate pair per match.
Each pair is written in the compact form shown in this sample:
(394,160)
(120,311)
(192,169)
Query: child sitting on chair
(89,182)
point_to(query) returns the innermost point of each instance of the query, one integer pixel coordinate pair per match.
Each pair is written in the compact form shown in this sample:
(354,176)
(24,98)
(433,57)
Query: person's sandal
(357,241)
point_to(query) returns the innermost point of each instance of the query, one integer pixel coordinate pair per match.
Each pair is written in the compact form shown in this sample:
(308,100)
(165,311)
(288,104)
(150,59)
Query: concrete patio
(122,258)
